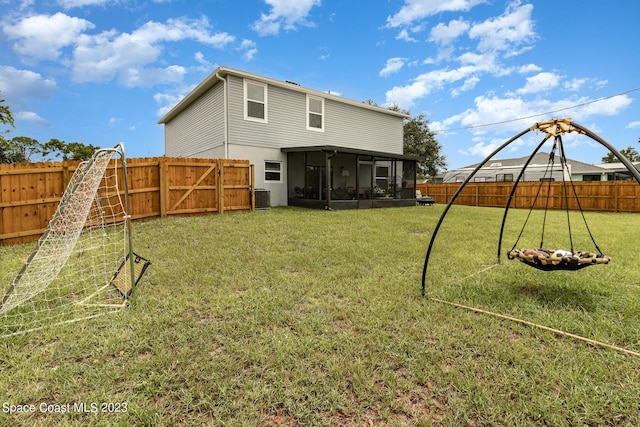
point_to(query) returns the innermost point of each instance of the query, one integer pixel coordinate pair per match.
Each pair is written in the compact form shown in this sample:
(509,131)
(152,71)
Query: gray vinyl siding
(199,128)
(345,125)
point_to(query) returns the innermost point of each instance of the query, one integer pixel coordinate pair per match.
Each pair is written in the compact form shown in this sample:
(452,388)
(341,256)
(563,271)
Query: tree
(68,151)
(421,141)
(630,153)
(20,149)
(6,117)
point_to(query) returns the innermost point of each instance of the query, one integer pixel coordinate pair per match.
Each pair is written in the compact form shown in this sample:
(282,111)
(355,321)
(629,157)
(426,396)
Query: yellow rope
(545,328)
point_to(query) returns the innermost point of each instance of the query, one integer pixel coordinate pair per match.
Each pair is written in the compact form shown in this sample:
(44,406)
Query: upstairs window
(255,101)
(315,113)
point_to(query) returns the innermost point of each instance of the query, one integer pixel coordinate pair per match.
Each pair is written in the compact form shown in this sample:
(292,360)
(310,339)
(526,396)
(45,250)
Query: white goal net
(83,265)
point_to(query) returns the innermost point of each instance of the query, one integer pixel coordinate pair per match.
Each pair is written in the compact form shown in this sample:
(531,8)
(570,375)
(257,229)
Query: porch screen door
(365,180)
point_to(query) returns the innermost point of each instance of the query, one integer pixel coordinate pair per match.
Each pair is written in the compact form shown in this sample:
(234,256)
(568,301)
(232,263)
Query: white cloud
(539,83)
(108,55)
(17,85)
(68,4)
(482,148)
(513,113)
(444,34)
(506,32)
(416,10)
(496,37)
(285,14)
(529,68)
(392,66)
(634,125)
(23,4)
(404,35)
(250,49)
(606,107)
(167,101)
(426,83)
(205,66)
(468,84)
(575,84)
(31,117)
(127,57)
(43,36)
(469,58)
(149,76)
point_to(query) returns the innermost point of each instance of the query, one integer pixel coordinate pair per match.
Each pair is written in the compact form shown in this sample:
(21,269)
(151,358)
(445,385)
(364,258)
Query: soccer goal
(83,266)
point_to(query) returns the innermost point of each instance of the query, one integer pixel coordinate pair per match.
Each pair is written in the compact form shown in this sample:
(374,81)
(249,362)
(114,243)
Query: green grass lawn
(300,317)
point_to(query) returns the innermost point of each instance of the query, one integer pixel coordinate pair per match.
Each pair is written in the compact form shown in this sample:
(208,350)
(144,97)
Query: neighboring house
(616,171)
(294,135)
(509,169)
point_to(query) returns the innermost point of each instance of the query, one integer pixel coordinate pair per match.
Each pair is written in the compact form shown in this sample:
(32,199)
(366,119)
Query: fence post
(163,176)
(65,176)
(253,187)
(220,185)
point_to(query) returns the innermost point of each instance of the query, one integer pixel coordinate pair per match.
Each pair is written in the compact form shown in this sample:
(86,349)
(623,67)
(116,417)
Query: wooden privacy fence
(158,187)
(605,196)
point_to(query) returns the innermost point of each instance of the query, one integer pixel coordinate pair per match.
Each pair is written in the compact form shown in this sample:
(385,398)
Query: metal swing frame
(554,127)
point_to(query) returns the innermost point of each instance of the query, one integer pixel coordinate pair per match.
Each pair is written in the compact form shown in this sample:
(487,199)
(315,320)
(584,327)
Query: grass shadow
(559,295)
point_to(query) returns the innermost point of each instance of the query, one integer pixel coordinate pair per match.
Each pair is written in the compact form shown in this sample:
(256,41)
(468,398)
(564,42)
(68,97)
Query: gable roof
(221,72)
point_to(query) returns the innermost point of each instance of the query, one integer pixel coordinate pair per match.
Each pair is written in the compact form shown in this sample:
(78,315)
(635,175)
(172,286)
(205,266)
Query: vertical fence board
(30,193)
(604,196)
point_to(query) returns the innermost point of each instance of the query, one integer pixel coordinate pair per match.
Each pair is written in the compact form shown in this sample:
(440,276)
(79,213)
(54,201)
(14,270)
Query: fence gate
(236,184)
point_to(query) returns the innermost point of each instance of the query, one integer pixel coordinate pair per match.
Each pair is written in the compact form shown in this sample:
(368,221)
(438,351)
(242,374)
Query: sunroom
(356,179)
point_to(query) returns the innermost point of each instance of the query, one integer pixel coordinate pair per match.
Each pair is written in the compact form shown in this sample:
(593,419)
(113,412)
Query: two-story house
(302,142)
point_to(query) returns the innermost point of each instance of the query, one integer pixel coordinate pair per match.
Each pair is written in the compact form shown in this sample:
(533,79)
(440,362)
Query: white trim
(246,100)
(322,116)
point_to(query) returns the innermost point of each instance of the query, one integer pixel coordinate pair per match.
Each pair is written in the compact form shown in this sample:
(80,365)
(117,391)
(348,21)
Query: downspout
(225,119)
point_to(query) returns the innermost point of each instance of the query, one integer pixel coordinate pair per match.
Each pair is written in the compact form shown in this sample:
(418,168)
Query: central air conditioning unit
(263,198)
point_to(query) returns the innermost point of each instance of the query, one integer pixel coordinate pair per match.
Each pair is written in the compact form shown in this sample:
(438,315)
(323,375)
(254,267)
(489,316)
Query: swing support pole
(553,127)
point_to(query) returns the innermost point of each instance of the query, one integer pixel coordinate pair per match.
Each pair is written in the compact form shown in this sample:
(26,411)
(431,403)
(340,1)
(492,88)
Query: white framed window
(272,171)
(504,177)
(315,113)
(255,101)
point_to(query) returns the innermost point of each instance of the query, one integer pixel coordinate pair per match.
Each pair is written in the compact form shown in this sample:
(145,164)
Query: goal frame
(113,159)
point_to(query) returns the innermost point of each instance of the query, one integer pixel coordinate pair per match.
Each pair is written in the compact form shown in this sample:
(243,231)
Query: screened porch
(356,179)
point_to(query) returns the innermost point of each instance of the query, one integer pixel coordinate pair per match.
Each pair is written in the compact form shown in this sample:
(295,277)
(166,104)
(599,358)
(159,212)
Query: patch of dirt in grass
(342,325)
(279,421)
(217,350)
(515,337)
(418,404)
(420,232)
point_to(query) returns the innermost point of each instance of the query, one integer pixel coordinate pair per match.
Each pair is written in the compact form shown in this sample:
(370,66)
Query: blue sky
(104,71)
